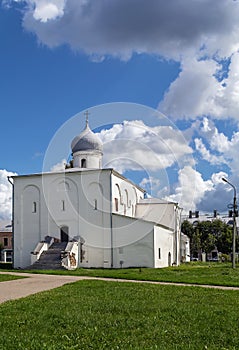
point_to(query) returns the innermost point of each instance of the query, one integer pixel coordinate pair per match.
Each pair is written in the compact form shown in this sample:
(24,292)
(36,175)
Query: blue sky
(61,57)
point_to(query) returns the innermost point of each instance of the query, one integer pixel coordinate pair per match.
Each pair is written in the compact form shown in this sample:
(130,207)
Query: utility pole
(234,223)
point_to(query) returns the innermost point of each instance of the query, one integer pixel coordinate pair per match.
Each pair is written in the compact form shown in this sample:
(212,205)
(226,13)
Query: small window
(121,250)
(5,241)
(83,163)
(116,204)
(159,253)
(34,207)
(95,204)
(63,206)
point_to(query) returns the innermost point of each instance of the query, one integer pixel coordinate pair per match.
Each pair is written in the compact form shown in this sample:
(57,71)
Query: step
(51,258)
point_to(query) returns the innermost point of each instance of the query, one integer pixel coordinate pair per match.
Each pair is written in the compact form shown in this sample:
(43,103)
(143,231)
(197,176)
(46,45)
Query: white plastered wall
(93,159)
(161,213)
(125,196)
(133,242)
(163,240)
(63,199)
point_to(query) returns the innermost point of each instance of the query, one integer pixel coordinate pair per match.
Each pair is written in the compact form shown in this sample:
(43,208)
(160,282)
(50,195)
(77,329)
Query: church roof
(86,141)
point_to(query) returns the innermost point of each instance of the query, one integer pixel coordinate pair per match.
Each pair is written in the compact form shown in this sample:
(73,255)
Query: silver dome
(86,141)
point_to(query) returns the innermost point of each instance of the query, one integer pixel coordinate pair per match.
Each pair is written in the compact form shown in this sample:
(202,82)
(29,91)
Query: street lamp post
(234,223)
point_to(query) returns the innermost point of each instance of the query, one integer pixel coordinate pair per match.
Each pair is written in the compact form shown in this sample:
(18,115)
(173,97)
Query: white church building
(92,217)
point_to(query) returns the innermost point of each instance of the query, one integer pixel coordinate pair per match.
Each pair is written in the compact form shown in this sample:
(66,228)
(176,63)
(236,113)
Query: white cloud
(221,149)
(219,197)
(218,141)
(198,35)
(121,27)
(5,195)
(145,181)
(228,99)
(143,147)
(150,184)
(41,10)
(192,192)
(197,91)
(45,10)
(206,154)
(59,166)
(191,188)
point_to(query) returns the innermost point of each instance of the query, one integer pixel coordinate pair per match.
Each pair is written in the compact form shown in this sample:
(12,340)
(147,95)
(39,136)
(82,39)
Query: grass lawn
(111,315)
(4,278)
(198,273)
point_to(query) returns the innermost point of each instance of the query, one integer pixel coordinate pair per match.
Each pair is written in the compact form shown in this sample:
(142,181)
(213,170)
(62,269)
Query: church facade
(103,218)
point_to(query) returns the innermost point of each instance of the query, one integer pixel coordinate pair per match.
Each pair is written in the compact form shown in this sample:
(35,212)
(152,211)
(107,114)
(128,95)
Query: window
(83,163)
(95,204)
(116,204)
(118,193)
(121,250)
(34,207)
(159,253)
(5,241)
(63,206)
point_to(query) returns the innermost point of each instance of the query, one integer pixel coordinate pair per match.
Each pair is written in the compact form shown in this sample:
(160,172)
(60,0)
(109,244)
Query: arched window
(118,197)
(119,194)
(136,196)
(83,163)
(126,198)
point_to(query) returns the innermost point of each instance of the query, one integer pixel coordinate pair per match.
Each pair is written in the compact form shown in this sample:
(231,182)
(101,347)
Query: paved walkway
(35,283)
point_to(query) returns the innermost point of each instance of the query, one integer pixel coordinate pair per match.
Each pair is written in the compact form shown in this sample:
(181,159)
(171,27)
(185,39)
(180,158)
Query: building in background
(6,241)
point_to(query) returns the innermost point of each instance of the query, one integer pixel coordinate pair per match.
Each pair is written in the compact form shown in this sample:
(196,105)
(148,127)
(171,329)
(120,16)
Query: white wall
(79,191)
(163,240)
(126,194)
(133,242)
(165,213)
(161,213)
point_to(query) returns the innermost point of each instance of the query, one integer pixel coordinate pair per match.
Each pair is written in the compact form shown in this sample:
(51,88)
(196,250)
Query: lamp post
(234,223)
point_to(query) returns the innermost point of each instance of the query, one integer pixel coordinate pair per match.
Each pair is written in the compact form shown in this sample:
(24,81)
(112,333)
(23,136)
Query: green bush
(5,266)
(225,258)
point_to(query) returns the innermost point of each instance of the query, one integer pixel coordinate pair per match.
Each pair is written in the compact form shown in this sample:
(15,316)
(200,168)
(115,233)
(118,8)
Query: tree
(187,228)
(208,235)
(195,238)
(224,241)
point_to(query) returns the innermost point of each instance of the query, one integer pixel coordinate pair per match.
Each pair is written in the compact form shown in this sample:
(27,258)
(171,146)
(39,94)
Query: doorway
(64,234)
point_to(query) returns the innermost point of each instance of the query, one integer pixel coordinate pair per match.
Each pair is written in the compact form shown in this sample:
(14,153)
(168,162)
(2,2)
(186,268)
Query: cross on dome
(87,117)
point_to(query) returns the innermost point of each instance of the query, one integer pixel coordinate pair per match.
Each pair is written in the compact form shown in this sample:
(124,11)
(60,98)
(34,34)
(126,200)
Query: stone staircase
(50,259)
